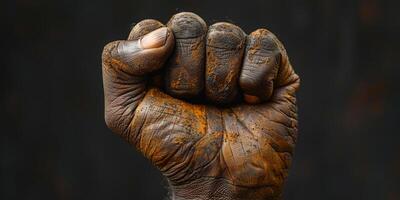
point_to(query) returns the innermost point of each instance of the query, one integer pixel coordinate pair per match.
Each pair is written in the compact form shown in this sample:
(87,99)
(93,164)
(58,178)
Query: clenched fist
(213,108)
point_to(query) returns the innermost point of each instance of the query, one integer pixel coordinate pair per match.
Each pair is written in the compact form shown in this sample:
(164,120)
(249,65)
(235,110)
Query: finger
(124,65)
(139,30)
(287,82)
(184,75)
(224,49)
(260,66)
(144,55)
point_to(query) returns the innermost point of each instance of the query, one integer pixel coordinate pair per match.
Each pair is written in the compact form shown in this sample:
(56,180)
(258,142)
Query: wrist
(220,188)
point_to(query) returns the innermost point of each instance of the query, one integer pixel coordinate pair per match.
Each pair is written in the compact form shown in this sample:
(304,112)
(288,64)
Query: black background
(54,142)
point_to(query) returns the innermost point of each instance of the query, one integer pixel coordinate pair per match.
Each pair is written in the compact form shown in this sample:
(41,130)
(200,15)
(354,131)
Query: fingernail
(154,39)
(251,99)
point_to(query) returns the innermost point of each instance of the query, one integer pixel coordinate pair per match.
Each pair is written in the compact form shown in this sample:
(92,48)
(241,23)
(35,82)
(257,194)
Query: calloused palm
(223,146)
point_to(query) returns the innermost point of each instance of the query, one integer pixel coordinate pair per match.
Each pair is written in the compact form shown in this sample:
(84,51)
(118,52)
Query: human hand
(213,109)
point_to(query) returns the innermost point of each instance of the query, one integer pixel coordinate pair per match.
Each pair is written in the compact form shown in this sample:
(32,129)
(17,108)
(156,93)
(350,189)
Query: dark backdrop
(54,142)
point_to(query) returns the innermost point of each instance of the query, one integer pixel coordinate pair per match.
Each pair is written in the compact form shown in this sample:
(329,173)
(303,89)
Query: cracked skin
(222,122)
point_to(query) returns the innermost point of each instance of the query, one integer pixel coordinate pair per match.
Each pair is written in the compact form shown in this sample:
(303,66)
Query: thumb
(141,56)
(125,66)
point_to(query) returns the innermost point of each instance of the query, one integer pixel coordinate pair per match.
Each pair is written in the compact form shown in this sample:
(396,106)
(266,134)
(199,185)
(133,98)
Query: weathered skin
(222,122)
(184,75)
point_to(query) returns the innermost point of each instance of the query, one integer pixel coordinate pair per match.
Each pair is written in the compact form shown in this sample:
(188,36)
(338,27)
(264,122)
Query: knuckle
(267,41)
(226,36)
(255,58)
(219,55)
(260,31)
(263,41)
(187,25)
(108,48)
(119,54)
(108,52)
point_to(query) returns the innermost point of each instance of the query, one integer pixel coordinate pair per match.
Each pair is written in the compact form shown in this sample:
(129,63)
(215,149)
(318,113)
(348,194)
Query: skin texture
(213,108)
(184,73)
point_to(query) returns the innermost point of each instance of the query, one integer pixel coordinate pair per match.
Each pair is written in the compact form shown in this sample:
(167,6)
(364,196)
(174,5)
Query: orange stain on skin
(220,145)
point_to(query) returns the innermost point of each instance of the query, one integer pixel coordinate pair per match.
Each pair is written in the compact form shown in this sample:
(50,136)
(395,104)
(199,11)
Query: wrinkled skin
(213,108)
